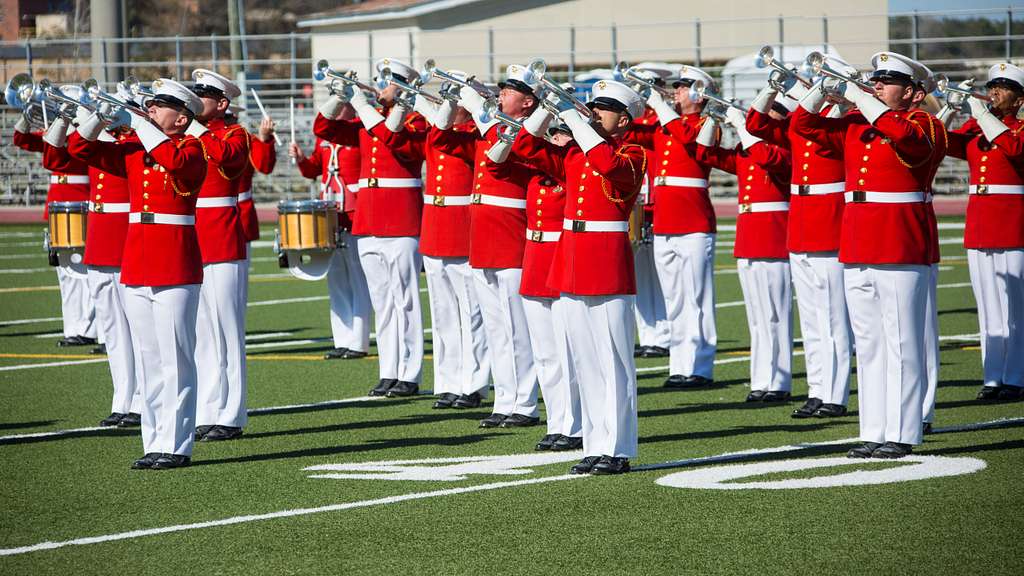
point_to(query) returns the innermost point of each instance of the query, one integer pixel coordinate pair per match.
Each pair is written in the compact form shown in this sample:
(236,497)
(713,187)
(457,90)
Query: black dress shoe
(113,419)
(130,420)
(76,341)
(776,396)
(445,400)
(989,392)
(101,349)
(892,450)
(519,421)
(585,466)
(864,450)
(547,442)
(566,443)
(353,354)
(675,381)
(807,410)
(830,411)
(403,388)
(696,381)
(926,428)
(382,387)
(336,353)
(639,351)
(611,465)
(221,433)
(755,395)
(146,462)
(202,431)
(1010,393)
(468,401)
(168,461)
(655,352)
(493,421)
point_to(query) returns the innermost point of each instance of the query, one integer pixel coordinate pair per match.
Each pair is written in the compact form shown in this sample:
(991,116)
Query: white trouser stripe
(218,202)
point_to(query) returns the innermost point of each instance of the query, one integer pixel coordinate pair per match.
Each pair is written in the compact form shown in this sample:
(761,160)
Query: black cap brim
(1005,83)
(204,90)
(606,103)
(168,100)
(682,82)
(891,75)
(518,86)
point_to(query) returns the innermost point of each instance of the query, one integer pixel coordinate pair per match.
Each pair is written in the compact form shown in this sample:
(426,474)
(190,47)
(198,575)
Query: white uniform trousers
(557,378)
(220,346)
(76,305)
(508,340)
(392,268)
(163,328)
(686,265)
(599,333)
(824,324)
(652,324)
(461,363)
(887,313)
(931,340)
(769,301)
(350,299)
(108,294)
(997,277)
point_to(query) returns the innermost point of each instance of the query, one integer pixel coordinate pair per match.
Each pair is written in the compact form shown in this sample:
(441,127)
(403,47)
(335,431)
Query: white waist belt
(109,208)
(247,195)
(69,179)
(390,183)
(353,188)
(816,189)
(595,225)
(218,202)
(448,200)
(983,189)
(500,201)
(154,218)
(541,236)
(751,207)
(859,196)
(680,182)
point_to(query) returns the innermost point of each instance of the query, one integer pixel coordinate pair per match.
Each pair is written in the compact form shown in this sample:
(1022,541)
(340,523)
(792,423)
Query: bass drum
(306,237)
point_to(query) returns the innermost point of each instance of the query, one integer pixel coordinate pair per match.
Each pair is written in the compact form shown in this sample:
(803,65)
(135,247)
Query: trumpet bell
(815,61)
(430,66)
(537,67)
(320,73)
(765,57)
(20,90)
(941,82)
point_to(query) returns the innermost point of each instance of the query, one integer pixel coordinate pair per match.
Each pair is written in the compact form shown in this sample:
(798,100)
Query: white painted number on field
(446,469)
(907,469)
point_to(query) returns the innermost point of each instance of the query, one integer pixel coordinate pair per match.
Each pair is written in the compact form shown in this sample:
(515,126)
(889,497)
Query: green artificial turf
(59,488)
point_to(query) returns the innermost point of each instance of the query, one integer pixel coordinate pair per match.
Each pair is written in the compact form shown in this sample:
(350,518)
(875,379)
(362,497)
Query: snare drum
(67,224)
(306,224)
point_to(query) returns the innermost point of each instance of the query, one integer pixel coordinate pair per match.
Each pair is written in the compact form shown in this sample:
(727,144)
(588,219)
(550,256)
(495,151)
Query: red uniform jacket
(337,167)
(164,182)
(602,186)
(762,172)
(677,209)
(994,221)
(896,154)
(62,169)
(383,211)
(497,233)
(262,157)
(814,219)
(445,230)
(221,236)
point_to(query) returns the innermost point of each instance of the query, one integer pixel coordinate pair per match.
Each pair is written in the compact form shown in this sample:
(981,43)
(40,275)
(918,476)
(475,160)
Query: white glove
(837,110)
(369,115)
(814,99)
(57,134)
(537,123)
(150,135)
(331,107)
(735,116)
(746,138)
(499,152)
(471,100)
(444,115)
(482,126)
(764,99)
(796,91)
(427,109)
(708,135)
(91,127)
(665,112)
(396,117)
(990,125)
(22,125)
(195,128)
(872,108)
(582,131)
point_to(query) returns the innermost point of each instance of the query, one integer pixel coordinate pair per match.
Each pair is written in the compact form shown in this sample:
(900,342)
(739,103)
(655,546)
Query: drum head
(71,262)
(309,264)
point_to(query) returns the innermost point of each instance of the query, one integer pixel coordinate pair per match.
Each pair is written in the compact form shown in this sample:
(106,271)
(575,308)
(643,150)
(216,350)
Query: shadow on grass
(814,426)
(331,405)
(971,311)
(19,425)
(1004,445)
(447,416)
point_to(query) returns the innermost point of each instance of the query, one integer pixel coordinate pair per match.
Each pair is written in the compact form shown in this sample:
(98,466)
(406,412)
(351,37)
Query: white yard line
(52,364)
(20,234)
(29,321)
(287,301)
(25,270)
(26,256)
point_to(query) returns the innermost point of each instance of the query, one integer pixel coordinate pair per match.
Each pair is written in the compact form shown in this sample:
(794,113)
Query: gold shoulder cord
(931,141)
(172,180)
(226,134)
(643,170)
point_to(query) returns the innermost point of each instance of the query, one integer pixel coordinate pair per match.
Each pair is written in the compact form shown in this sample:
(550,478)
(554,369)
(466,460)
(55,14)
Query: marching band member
(684,233)
(337,166)
(388,213)
(69,182)
(220,334)
(815,219)
(461,360)
(991,143)
(498,218)
(593,268)
(262,159)
(886,241)
(162,264)
(760,250)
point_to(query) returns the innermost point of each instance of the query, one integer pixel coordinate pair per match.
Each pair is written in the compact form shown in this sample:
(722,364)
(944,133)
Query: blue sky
(910,5)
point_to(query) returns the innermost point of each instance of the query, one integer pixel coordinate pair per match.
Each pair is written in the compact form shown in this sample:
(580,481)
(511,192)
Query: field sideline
(328,481)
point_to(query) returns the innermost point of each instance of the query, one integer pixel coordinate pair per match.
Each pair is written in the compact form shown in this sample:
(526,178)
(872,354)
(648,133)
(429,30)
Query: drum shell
(67,222)
(307,225)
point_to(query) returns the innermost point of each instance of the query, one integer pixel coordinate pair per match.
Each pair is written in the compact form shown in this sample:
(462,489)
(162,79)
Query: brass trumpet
(766,59)
(324,71)
(943,85)
(628,75)
(54,94)
(92,88)
(387,77)
(700,90)
(430,67)
(539,70)
(818,64)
